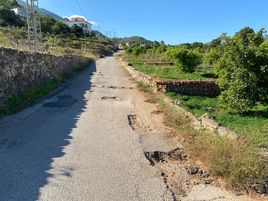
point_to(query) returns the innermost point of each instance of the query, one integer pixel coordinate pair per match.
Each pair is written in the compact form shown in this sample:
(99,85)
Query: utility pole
(99,33)
(34,26)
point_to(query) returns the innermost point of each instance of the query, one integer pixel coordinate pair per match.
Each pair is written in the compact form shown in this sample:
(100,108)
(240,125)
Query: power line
(81,8)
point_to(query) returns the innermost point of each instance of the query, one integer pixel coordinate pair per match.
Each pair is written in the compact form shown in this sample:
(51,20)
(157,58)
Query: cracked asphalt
(78,145)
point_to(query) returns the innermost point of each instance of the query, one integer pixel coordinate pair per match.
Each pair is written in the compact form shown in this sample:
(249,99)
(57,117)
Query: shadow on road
(32,139)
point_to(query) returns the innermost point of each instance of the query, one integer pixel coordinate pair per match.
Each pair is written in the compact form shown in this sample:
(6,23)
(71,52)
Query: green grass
(253,124)
(169,72)
(31,96)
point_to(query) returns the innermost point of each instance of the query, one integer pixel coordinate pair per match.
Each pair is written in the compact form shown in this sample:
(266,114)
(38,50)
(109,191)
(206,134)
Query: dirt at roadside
(186,181)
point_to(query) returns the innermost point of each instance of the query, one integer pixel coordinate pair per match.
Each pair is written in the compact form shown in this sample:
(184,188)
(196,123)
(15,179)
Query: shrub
(243,70)
(9,18)
(213,56)
(136,50)
(185,59)
(238,161)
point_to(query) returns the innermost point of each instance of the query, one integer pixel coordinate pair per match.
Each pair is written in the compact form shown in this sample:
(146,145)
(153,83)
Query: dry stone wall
(185,87)
(189,87)
(21,70)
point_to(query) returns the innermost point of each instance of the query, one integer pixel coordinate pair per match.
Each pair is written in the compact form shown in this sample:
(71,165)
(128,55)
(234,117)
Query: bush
(213,56)
(9,4)
(136,50)
(237,161)
(185,59)
(243,70)
(9,18)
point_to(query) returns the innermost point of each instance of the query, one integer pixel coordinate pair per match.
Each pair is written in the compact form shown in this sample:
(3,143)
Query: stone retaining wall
(185,87)
(21,70)
(189,87)
(207,87)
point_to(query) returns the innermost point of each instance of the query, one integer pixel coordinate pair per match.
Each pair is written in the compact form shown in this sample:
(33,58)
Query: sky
(173,21)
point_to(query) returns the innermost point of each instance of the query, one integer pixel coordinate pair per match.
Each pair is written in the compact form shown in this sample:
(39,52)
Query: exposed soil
(135,123)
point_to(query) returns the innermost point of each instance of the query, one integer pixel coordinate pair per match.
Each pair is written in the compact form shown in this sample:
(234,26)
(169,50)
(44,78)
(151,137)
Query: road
(78,145)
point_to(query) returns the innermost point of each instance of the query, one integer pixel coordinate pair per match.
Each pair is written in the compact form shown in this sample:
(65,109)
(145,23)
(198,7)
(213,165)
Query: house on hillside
(20,11)
(79,21)
(70,21)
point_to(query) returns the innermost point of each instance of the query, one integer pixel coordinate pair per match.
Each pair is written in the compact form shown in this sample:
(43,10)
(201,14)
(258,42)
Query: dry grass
(144,88)
(237,162)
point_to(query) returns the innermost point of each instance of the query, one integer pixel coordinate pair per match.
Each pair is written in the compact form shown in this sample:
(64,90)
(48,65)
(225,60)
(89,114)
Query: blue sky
(173,21)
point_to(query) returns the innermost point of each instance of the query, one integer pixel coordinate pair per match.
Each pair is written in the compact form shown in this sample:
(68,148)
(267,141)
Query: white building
(79,21)
(70,21)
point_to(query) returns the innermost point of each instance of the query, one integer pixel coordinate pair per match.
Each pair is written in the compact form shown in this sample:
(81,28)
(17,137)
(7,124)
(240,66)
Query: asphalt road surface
(78,145)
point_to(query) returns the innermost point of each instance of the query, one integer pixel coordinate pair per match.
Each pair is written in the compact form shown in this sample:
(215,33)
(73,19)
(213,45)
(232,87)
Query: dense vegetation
(253,125)
(8,17)
(133,41)
(58,38)
(8,4)
(243,70)
(48,24)
(184,58)
(53,27)
(239,66)
(240,63)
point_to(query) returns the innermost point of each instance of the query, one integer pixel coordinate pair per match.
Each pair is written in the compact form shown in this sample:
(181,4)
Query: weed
(238,162)
(253,124)
(144,88)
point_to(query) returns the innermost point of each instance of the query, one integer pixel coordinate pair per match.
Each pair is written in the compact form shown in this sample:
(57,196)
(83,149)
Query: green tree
(197,45)
(47,24)
(213,56)
(243,71)
(215,42)
(9,18)
(77,31)
(51,26)
(185,59)
(8,4)
(60,28)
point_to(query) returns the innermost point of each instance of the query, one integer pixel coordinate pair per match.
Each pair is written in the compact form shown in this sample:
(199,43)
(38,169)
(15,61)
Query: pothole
(7,144)
(135,123)
(159,156)
(115,98)
(111,87)
(63,101)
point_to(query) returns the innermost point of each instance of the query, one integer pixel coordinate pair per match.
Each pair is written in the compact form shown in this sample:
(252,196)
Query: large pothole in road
(113,98)
(159,156)
(135,123)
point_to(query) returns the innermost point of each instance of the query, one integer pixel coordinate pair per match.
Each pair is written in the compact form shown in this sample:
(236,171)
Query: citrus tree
(243,70)
(185,59)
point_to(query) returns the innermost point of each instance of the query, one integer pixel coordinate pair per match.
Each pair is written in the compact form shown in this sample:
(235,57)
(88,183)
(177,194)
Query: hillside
(135,40)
